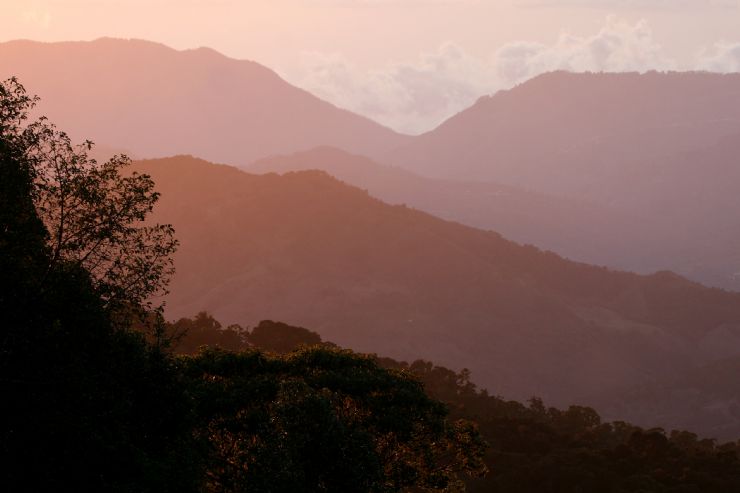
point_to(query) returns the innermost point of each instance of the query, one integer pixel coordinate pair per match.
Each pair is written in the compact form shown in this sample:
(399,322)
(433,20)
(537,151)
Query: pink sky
(408,63)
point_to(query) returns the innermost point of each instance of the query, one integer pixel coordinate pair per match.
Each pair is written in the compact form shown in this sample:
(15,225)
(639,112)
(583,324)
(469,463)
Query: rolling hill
(306,249)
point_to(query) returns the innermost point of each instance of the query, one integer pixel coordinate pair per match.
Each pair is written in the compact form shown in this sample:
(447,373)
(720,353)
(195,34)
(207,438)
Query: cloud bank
(415,96)
(406,96)
(723,58)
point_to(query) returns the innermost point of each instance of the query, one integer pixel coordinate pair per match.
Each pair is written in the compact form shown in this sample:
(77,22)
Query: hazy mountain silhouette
(646,163)
(563,132)
(156,101)
(636,233)
(572,228)
(659,147)
(307,249)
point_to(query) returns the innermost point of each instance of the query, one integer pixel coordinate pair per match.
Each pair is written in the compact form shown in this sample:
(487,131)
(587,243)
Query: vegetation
(90,405)
(323,420)
(85,406)
(539,449)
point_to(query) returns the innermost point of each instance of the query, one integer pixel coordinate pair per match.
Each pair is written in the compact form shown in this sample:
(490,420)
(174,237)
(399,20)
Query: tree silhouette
(94,213)
(324,419)
(85,406)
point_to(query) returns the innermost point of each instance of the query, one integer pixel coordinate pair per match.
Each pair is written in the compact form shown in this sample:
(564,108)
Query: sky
(408,64)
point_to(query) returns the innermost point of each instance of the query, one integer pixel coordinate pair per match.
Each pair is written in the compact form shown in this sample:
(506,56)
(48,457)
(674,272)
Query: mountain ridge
(129,93)
(659,147)
(307,249)
(550,223)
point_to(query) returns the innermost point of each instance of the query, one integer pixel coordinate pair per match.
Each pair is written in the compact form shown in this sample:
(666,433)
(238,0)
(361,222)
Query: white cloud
(617,47)
(723,58)
(407,96)
(416,96)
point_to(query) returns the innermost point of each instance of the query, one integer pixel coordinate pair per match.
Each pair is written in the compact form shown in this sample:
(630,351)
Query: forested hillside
(531,447)
(309,250)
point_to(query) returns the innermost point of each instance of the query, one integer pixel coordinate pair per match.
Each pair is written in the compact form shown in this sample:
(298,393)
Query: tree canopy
(94,213)
(85,405)
(323,419)
(536,448)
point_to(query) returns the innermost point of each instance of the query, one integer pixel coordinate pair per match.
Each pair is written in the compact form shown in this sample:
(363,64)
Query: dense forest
(530,447)
(101,394)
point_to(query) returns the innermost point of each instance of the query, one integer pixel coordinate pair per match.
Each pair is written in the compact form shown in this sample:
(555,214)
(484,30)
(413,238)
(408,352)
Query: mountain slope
(660,148)
(155,101)
(562,132)
(574,229)
(306,249)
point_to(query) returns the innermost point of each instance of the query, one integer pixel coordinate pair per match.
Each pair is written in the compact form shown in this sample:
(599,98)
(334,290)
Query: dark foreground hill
(156,101)
(309,250)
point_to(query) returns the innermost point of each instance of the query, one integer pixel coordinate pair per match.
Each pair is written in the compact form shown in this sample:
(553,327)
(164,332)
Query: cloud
(723,58)
(409,97)
(415,96)
(617,47)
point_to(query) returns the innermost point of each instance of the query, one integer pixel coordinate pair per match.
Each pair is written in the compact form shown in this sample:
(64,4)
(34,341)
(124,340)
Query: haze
(370,246)
(408,64)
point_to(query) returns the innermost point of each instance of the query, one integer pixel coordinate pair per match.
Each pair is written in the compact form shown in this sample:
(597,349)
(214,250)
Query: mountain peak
(157,101)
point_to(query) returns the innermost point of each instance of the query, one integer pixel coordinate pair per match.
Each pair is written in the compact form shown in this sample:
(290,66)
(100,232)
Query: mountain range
(310,250)
(549,222)
(155,101)
(659,147)
(571,134)
(632,171)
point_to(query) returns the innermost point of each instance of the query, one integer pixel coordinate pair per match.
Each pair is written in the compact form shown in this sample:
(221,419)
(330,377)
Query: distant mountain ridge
(659,147)
(560,131)
(650,157)
(156,101)
(572,228)
(307,249)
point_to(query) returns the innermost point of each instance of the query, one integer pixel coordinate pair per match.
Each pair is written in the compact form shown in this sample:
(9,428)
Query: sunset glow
(408,63)
(370,246)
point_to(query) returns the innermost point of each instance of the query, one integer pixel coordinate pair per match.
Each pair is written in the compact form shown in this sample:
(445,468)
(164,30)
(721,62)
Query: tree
(22,234)
(95,214)
(282,338)
(189,334)
(324,419)
(85,406)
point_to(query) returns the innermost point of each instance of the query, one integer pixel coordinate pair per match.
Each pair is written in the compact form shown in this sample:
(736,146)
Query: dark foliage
(323,419)
(85,406)
(282,338)
(187,335)
(540,449)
